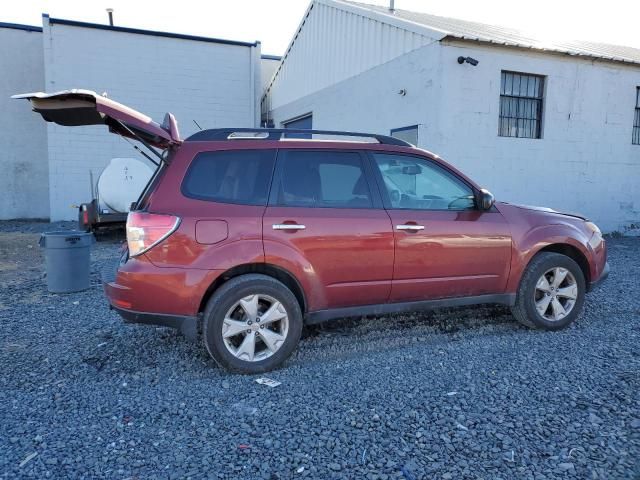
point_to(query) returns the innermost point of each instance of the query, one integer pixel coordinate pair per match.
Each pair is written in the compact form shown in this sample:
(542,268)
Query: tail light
(146,230)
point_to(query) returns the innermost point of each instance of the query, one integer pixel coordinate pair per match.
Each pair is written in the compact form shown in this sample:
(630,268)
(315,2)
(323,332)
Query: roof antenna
(197,125)
(110,12)
(392,6)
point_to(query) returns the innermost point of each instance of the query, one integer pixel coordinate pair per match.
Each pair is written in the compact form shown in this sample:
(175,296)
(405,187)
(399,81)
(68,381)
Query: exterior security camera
(469,60)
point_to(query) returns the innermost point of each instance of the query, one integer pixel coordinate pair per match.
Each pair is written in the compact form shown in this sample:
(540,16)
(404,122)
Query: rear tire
(252,324)
(551,292)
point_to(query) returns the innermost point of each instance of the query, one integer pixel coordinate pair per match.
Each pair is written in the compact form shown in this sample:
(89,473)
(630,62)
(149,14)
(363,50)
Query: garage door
(305,123)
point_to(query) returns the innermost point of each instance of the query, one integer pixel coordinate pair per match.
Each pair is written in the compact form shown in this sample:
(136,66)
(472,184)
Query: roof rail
(280,133)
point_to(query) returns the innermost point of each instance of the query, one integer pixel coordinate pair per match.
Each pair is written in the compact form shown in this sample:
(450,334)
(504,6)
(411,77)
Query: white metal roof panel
(480,32)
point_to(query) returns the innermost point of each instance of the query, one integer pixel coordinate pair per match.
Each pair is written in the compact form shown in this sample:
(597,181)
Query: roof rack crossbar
(244,133)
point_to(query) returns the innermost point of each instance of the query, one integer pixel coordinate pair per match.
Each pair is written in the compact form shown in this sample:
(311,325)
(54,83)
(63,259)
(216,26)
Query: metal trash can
(67,260)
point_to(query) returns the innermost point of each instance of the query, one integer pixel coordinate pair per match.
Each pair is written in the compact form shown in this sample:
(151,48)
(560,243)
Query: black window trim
(385,194)
(374,193)
(187,194)
(541,99)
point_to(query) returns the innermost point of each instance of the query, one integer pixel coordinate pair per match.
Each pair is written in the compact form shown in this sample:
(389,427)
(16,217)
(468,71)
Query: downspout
(47,56)
(255,76)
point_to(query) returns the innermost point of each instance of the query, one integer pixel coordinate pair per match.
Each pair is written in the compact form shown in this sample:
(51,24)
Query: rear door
(444,246)
(325,223)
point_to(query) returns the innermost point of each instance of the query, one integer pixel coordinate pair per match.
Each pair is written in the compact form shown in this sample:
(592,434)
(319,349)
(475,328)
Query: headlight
(596,238)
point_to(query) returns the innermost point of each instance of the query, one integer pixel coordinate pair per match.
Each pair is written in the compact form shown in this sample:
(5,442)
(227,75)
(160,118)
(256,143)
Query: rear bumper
(144,293)
(187,325)
(603,276)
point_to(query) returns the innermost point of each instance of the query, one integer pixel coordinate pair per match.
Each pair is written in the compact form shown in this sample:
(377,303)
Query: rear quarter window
(233,176)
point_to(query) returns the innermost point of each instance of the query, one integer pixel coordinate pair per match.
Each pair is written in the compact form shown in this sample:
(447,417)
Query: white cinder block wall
(215,84)
(23,137)
(334,44)
(585,161)
(370,101)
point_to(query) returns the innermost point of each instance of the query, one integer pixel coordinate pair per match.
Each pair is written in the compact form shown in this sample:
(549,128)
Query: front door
(325,225)
(444,246)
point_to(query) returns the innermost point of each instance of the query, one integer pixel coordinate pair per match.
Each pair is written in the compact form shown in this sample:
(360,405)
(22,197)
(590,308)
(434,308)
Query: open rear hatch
(85,107)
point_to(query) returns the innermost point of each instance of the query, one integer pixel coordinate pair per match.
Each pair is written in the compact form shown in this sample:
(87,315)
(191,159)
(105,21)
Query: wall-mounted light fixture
(402,92)
(469,60)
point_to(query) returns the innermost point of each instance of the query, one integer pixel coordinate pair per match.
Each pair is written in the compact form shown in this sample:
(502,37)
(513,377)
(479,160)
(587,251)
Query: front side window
(322,179)
(235,176)
(636,120)
(418,184)
(520,105)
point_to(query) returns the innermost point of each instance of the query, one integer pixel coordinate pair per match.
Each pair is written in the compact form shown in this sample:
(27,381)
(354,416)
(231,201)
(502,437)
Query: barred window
(635,139)
(520,105)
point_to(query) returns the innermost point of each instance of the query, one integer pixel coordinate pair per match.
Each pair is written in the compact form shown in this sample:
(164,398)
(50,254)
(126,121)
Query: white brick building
(210,81)
(24,185)
(358,67)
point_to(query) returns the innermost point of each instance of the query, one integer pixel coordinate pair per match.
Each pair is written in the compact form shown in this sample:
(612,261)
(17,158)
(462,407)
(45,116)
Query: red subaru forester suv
(244,235)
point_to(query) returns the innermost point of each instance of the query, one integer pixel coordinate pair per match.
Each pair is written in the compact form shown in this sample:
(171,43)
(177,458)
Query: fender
(291,260)
(181,249)
(532,241)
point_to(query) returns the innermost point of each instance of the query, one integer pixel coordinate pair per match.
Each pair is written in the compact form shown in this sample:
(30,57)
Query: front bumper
(603,276)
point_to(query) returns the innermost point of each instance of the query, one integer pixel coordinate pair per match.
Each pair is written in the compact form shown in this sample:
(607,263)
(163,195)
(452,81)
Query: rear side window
(322,179)
(234,176)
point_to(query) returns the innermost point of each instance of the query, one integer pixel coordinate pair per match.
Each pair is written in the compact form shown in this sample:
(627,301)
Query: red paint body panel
(141,286)
(243,244)
(344,257)
(209,232)
(457,254)
(348,253)
(534,230)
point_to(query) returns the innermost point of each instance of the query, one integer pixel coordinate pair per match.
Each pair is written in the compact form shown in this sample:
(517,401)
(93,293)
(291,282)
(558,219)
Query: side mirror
(485,199)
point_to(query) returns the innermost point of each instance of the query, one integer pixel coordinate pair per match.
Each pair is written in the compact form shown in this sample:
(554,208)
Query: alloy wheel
(555,294)
(255,327)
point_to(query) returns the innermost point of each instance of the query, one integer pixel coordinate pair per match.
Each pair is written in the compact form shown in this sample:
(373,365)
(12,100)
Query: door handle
(411,228)
(288,226)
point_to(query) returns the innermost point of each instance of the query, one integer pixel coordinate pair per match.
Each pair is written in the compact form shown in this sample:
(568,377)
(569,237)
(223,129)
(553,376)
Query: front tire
(551,292)
(252,324)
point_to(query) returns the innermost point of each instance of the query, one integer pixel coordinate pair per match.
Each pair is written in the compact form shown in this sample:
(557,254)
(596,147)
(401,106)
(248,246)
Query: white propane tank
(122,182)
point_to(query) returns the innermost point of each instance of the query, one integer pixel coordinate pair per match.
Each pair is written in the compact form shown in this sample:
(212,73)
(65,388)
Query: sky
(273,22)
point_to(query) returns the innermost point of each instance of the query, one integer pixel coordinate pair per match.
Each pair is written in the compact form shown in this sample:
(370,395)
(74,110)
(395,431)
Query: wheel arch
(570,251)
(279,273)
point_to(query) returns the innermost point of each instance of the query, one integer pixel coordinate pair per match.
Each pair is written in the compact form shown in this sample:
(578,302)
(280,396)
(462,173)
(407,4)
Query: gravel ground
(446,395)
